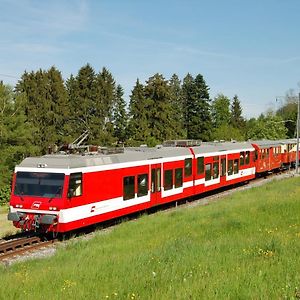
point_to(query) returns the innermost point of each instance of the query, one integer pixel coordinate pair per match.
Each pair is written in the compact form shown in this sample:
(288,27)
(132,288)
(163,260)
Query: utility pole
(297,149)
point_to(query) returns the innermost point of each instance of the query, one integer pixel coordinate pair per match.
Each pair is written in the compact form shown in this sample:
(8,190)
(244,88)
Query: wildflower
(154,274)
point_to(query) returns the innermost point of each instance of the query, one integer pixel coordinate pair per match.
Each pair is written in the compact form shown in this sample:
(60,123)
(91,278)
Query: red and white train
(62,192)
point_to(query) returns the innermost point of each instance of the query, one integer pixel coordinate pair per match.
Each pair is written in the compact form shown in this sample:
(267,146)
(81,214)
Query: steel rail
(12,248)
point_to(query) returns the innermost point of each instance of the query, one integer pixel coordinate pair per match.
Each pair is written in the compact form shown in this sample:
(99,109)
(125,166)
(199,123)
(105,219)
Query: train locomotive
(62,192)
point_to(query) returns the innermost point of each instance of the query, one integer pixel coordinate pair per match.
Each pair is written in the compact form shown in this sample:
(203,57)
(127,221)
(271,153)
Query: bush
(4,194)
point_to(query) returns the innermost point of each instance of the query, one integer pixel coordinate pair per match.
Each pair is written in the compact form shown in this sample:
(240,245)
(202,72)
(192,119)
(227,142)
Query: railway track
(11,248)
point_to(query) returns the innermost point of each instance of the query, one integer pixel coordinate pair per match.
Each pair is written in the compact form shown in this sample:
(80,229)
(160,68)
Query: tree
(176,103)
(157,95)
(60,108)
(237,119)
(220,111)
(266,127)
(138,127)
(82,93)
(197,108)
(227,132)
(16,132)
(120,116)
(288,112)
(105,97)
(46,106)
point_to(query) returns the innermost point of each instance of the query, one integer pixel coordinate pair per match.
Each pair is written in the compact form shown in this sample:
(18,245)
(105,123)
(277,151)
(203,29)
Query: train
(62,192)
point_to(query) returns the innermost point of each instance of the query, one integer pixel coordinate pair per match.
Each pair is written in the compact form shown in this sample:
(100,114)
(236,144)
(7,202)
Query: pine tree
(105,97)
(138,127)
(177,107)
(120,116)
(197,108)
(60,107)
(157,95)
(83,103)
(237,119)
(187,100)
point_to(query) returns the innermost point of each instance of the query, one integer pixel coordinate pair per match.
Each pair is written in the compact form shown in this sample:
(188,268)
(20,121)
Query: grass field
(245,247)
(6,227)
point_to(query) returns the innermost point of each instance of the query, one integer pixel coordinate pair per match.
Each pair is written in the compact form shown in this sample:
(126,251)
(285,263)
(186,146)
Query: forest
(43,111)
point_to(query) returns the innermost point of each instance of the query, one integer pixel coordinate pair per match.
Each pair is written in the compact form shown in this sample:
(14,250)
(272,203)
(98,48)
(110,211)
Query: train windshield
(48,185)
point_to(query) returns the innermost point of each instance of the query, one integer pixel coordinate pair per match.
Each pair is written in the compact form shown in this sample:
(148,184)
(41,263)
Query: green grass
(6,227)
(245,247)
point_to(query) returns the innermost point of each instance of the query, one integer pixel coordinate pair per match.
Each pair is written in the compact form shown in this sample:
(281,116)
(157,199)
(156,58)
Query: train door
(223,169)
(155,184)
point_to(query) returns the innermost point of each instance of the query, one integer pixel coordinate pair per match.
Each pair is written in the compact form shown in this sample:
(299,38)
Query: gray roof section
(267,143)
(70,161)
(220,147)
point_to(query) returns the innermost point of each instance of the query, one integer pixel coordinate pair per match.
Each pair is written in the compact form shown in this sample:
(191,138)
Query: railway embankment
(243,247)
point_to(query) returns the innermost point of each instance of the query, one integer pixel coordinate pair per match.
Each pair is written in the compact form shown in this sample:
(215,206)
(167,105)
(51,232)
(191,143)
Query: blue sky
(248,48)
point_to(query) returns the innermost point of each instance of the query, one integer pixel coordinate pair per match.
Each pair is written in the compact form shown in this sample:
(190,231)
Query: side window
(236,166)
(247,158)
(223,166)
(242,158)
(128,187)
(178,178)
(168,180)
(187,167)
(255,155)
(230,167)
(142,185)
(216,170)
(75,185)
(207,172)
(200,165)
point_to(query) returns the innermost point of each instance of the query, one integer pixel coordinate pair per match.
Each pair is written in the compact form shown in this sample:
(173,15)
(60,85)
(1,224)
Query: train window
(200,165)
(128,187)
(216,158)
(215,170)
(242,158)
(187,167)
(267,153)
(142,185)
(255,155)
(158,180)
(223,166)
(207,172)
(168,180)
(75,185)
(247,158)
(155,180)
(178,177)
(48,185)
(236,166)
(230,167)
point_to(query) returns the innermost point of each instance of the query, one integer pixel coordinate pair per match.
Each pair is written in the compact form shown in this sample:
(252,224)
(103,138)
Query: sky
(248,48)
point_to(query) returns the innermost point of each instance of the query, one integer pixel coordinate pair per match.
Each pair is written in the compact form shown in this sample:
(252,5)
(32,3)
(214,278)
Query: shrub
(4,194)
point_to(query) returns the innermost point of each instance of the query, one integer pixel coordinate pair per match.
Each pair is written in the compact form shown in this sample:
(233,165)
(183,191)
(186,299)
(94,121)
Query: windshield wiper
(56,193)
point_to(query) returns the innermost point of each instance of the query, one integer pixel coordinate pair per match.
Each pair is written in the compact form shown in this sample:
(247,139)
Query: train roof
(267,143)
(213,147)
(70,161)
(273,143)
